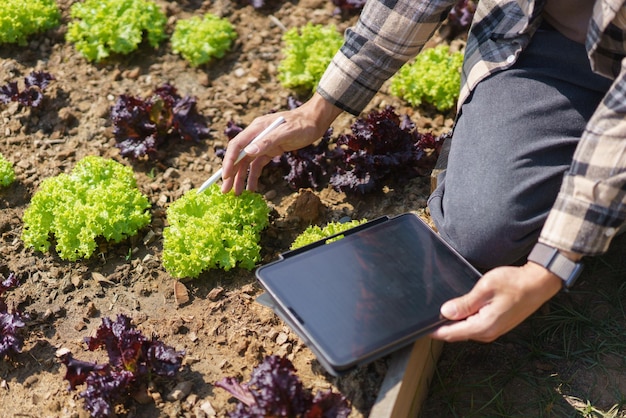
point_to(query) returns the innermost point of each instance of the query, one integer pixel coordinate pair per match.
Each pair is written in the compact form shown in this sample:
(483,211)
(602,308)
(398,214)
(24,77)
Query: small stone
(77,281)
(207,408)
(30,380)
(282,338)
(92,311)
(270,194)
(215,293)
(180,391)
(181,294)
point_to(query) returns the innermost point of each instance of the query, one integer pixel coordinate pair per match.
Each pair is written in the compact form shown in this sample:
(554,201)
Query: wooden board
(406,383)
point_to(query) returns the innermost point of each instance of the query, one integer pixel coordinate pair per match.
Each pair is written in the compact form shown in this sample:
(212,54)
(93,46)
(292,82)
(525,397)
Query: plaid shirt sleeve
(591,205)
(388,34)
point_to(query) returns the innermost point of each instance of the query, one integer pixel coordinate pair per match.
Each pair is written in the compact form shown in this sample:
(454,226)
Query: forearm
(376,47)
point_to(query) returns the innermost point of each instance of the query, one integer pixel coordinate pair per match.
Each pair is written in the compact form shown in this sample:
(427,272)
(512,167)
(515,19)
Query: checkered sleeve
(388,34)
(591,206)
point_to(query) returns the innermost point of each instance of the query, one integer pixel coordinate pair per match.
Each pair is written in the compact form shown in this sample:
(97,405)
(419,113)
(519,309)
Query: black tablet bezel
(305,265)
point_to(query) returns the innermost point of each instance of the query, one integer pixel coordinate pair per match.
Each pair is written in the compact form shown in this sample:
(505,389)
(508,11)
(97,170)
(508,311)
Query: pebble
(180,391)
(282,338)
(30,380)
(270,194)
(215,293)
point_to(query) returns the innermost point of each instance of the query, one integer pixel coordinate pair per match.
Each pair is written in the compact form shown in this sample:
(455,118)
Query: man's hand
(303,126)
(501,300)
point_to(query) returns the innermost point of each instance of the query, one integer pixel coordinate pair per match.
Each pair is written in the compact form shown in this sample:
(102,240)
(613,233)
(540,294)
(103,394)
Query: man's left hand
(500,300)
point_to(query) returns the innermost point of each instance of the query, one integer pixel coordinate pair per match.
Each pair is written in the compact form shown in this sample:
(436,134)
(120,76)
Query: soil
(223,331)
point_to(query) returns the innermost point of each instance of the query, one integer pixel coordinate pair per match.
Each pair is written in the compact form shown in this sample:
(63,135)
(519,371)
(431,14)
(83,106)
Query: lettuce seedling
(134,361)
(434,77)
(308,51)
(142,126)
(201,40)
(213,230)
(19,19)
(7,174)
(314,233)
(32,94)
(101,27)
(274,390)
(11,321)
(99,198)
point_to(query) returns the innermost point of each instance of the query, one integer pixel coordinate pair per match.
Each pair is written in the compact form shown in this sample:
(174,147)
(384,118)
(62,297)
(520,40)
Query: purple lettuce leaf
(133,361)
(232,129)
(327,404)
(382,148)
(11,321)
(38,79)
(9,92)
(462,14)
(105,390)
(122,342)
(76,371)
(142,126)
(162,359)
(32,95)
(308,166)
(274,389)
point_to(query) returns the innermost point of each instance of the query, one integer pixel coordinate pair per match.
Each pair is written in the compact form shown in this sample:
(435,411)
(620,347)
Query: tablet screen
(374,289)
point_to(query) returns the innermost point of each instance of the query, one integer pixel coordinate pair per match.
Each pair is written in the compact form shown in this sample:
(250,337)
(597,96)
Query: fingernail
(448,310)
(252,149)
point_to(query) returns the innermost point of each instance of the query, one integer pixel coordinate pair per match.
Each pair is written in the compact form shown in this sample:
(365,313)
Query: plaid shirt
(591,205)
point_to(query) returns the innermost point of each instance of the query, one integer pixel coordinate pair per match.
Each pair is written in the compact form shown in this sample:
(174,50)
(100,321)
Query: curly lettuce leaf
(7,173)
(101,27)
(308,51)
(434,77)
(99,198)
(19,19)
(314,233)
(201,40)
(213,230)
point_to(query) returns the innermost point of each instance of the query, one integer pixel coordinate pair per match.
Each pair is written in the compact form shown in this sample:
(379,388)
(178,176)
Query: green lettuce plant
(308,51)
(315,233)
(200,40)
(102,27)
(433,77)
(19,19)
(7,174)
(213,230)
(99,198)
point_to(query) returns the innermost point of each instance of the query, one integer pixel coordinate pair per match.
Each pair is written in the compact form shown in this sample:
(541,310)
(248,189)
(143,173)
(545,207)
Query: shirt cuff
(579,226)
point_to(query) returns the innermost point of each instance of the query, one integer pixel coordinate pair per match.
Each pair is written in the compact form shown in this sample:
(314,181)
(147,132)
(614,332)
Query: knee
(485,237)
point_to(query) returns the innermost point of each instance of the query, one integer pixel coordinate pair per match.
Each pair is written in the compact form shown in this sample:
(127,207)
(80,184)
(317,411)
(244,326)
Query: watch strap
(550,258)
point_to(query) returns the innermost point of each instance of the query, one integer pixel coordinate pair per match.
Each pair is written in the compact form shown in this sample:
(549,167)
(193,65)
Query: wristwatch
(550,258)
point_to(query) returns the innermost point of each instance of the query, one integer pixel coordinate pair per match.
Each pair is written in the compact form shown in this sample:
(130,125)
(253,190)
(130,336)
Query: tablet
(369,293)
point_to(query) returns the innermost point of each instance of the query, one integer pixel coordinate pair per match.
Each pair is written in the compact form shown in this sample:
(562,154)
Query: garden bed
(221,328)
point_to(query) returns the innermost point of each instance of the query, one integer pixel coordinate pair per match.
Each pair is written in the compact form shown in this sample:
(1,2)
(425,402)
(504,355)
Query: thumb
(462,307)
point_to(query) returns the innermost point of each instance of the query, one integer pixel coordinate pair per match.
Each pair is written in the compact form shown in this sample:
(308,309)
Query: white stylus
(218,174)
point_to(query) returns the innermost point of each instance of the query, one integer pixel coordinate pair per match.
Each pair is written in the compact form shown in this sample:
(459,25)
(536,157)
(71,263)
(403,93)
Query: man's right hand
(303,126)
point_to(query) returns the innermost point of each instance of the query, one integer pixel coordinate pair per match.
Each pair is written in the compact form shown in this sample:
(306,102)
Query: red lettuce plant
(32,94)
(142,126)
(11,321)
(134,360)
(274,390)
(382,148)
